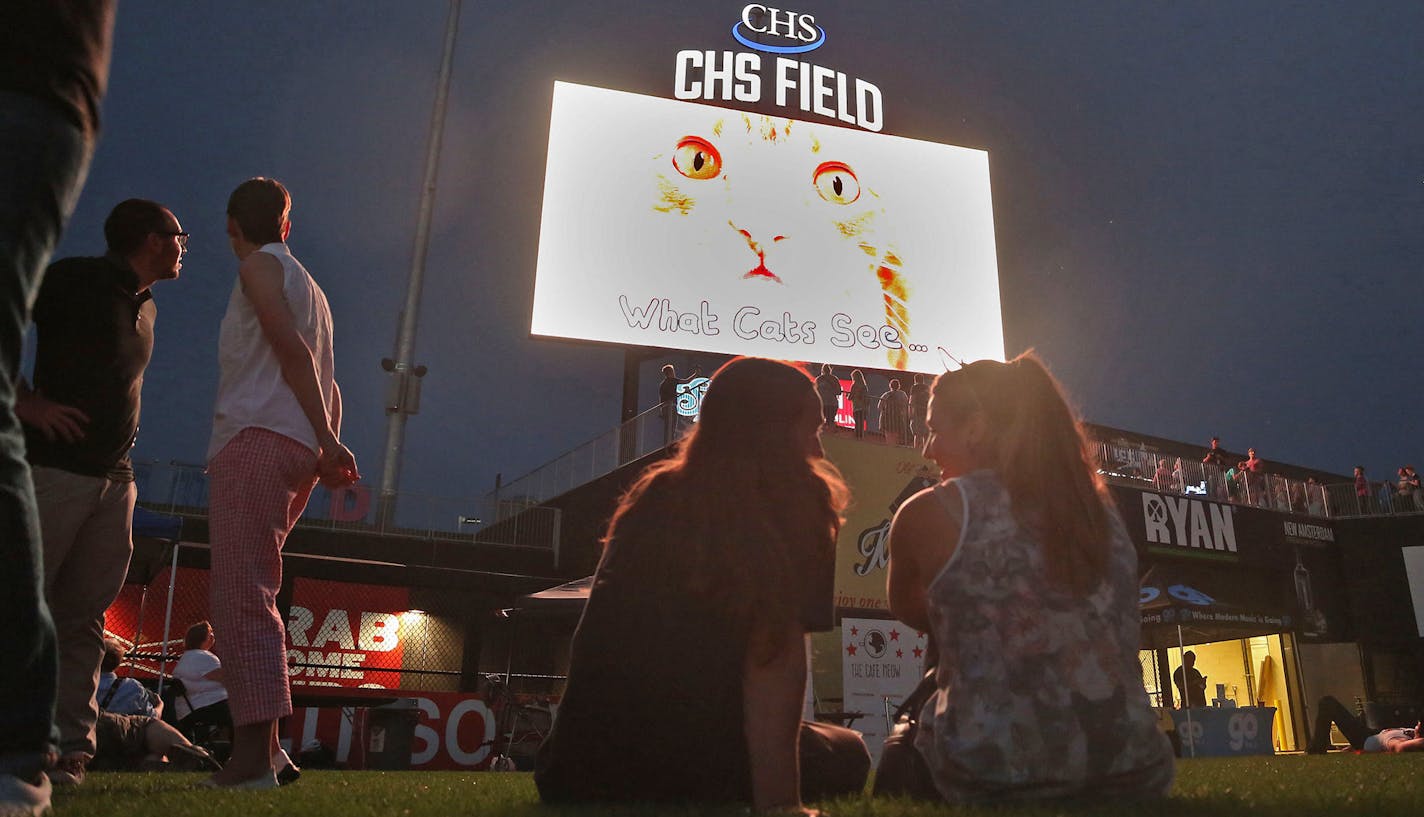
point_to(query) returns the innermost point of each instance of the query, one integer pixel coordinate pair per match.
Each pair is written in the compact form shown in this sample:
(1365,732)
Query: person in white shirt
(276,422)
(201,673)
(200,670)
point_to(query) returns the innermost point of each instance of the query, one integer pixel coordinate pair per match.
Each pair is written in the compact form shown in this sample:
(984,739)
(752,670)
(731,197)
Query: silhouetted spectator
(704,705)
(920,411)
(1162,477)
(667,397)
(1218,461)
(1363,498)
(828,389)
(859,401)
(1253,468)
(895,414)
(1314,497)
(1190,683)
(1233,484)
(1411,478)
(1217,455)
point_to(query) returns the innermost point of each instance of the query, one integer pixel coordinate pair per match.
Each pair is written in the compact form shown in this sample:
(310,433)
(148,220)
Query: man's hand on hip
(54,420)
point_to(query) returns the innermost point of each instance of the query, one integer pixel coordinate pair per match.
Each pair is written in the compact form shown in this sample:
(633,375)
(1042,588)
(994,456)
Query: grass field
(1340,785)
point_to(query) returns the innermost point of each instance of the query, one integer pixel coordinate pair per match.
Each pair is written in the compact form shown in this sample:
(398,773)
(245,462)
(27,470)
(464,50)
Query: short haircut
(894,384)
(825,368)
(113,655)
(196,635)
(669,370)
(260,206)
(130,223)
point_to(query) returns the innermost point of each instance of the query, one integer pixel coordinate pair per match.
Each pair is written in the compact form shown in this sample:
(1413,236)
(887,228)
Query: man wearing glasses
(94,318)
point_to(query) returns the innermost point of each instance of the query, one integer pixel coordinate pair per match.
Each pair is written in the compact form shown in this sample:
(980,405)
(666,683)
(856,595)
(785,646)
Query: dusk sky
(1209,215)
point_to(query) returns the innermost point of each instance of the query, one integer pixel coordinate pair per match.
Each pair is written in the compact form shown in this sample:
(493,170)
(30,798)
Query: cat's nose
(758,243)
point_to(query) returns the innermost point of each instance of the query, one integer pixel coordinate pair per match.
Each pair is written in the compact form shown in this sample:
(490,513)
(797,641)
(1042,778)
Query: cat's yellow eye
(836,183)
(695,158)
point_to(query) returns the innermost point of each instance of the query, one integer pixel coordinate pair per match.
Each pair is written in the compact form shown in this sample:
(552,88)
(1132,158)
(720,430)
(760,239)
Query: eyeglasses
(181,236)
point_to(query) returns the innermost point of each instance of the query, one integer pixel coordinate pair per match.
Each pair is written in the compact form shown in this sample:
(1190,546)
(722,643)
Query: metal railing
(644,434)
(182,490)
(1137,467)
(1133,466)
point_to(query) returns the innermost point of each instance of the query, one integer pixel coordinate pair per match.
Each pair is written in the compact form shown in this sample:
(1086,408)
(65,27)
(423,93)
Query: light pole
(404,394)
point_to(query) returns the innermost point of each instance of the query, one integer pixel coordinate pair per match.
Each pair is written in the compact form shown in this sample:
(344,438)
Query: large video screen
(689,226)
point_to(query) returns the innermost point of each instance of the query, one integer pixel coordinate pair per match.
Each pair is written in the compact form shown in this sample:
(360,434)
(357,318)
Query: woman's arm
(773,688)
(1415,744)
(923,535)
(261,276)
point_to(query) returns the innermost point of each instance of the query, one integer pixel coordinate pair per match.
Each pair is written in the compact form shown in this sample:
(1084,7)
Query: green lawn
(1337,784)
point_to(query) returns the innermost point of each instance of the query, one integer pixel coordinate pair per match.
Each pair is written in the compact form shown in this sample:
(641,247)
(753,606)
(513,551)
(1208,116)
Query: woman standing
(860,401)
(688,669)
(1021,570)
(276,425)
(919,411)
(895,414)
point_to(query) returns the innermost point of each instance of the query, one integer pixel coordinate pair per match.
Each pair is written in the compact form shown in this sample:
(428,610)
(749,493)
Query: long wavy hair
(746,495)
(1037,446)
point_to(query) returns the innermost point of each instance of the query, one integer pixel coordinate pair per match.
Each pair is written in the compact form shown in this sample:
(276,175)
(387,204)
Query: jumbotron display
(688,226)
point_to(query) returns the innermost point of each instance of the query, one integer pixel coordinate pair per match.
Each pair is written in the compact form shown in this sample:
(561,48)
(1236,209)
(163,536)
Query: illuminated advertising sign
(687,226)
(881,478)
(793,83)
(689,396)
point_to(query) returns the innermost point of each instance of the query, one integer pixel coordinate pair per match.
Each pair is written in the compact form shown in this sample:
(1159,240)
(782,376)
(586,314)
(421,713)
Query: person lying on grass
(688,668)
(145,743)
(1362,738)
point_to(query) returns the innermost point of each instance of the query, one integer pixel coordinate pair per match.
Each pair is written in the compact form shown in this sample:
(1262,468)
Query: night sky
(1209,215)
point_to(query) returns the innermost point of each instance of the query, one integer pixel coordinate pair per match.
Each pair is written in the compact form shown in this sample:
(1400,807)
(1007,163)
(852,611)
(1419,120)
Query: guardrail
(1139,468)
(182,489)
(633,439)
(1128,465)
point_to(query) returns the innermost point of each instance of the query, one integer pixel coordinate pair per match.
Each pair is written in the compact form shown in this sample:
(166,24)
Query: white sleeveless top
(251,391)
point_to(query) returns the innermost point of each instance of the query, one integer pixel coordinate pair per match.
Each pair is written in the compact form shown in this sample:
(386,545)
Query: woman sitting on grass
(1021,570)
(688,670)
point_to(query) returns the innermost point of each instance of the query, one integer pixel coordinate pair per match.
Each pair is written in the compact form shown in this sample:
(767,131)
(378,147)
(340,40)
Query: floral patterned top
(1040,693)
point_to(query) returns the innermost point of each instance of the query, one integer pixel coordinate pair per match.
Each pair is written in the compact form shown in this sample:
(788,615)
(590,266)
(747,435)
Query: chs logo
(790,25)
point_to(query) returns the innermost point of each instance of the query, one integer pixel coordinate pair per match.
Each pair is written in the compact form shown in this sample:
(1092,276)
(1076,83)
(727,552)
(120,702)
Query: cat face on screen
(783,219)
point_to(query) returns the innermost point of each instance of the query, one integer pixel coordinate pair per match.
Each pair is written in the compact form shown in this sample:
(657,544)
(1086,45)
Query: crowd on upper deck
(898,417)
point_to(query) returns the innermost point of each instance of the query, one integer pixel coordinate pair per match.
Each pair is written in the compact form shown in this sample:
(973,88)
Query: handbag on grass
(902,770)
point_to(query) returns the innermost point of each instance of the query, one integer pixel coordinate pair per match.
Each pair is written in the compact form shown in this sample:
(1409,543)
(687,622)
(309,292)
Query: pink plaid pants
(258,486)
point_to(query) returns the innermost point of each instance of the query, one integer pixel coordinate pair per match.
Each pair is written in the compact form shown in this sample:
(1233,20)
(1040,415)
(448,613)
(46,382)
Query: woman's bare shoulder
(930,517)
(936,504)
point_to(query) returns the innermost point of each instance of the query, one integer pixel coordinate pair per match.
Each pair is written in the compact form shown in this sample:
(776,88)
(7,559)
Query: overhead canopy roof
(1210,603)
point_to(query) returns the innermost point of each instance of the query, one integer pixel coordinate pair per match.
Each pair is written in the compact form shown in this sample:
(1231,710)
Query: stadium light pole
(403,396)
